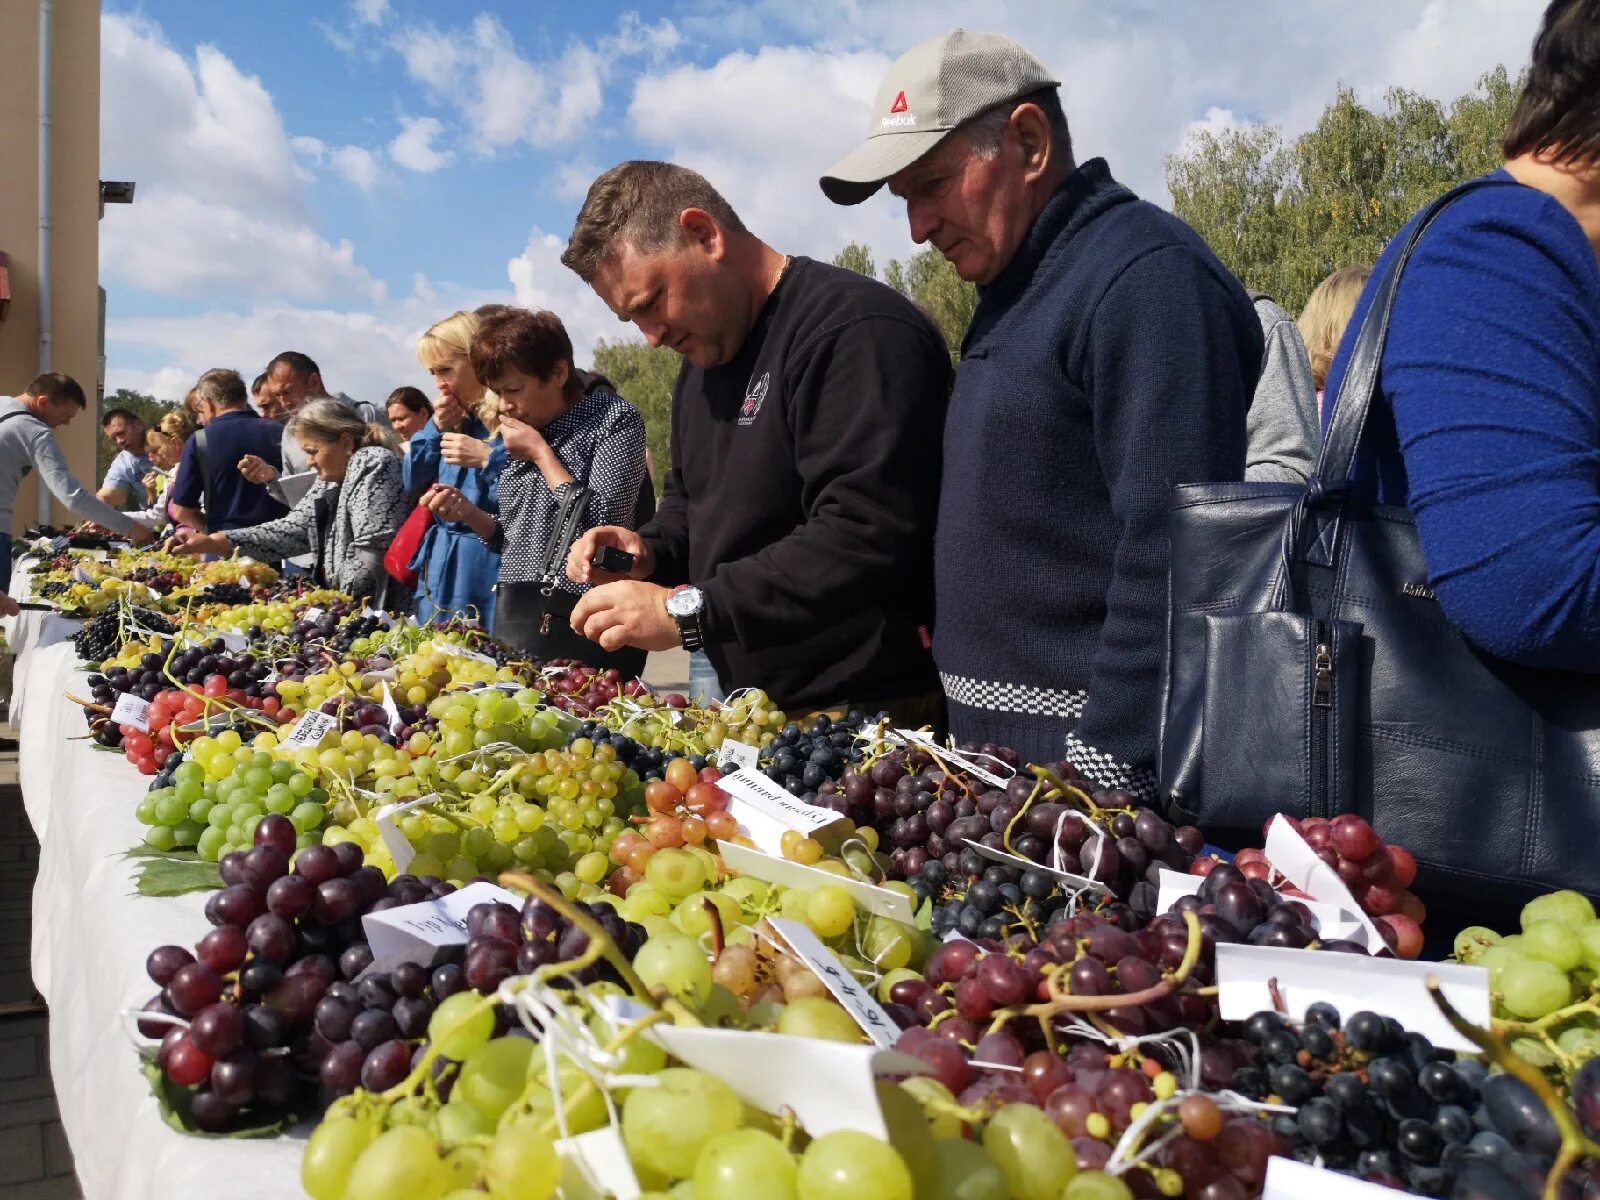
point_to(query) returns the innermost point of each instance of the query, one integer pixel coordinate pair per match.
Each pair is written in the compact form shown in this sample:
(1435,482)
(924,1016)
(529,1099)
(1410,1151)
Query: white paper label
(828,1086)
(1329,920)
(398,845)
(868,1013)
(230,641)
(1290,1179)
(315,614)
(390,707)
(765,811)
(1351,983)
(461,652)
(415,931)
(882,901)
(734,755)
(595,1166)
(308,730)
(966,762)
(1075,883)
(131,710)
(1293,858)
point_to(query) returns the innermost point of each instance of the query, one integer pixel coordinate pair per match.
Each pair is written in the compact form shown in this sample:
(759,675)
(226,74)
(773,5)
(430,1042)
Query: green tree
(1283,217)
(929,281)
(856,257)
(644,376)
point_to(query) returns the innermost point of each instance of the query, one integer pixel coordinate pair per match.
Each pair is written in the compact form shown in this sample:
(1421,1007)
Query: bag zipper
(1321,716)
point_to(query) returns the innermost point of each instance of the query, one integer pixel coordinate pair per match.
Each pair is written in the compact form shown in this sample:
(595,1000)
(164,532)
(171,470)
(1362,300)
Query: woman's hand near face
(450,505)
(448,413)
(460,450)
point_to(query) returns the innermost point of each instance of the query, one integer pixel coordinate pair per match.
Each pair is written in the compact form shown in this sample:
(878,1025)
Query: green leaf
(924,916)
(144,851)
(160,876)
(258,1121)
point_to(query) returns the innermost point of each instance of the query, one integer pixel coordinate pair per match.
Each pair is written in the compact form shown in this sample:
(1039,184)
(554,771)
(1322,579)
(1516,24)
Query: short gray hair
(985,131)
(221,388)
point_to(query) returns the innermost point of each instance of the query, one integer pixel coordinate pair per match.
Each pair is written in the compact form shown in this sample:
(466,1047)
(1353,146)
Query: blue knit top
(1112,358)
(1487,422)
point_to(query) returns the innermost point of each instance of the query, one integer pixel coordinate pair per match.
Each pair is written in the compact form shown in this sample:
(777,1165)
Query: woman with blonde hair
(196,408)
(1323,320)
(348,518)
(459,447)
(163,445)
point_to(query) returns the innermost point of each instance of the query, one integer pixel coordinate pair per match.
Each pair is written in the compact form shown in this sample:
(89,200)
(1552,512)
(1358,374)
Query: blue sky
(334,176)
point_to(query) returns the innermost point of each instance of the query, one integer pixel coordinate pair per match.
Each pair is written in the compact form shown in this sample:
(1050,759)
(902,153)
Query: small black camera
(609,558)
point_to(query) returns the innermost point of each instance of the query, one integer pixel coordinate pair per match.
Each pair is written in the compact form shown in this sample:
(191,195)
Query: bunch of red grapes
(1378,875)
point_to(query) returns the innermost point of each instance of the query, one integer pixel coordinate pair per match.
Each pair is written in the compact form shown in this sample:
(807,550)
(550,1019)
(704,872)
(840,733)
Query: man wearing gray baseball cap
(1110,357)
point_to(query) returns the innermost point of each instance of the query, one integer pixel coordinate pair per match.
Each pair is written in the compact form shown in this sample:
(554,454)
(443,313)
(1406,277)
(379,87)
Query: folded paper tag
(1290,1179)
(846,989)
(1391,987)
(1329,920)
(230,641)
(885,902)
(829,1086)
(416,931)
(734,755)
(131,710)
(595,1166)
(765,811)
(398,845)
(967,762)
(390,708)
(309,729)
(450,648)
(1293,858)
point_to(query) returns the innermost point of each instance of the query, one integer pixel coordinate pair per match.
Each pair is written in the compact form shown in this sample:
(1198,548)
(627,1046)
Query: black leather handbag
(1311,671)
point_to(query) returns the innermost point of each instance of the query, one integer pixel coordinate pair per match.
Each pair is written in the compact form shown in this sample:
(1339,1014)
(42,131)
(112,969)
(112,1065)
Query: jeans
(703,678)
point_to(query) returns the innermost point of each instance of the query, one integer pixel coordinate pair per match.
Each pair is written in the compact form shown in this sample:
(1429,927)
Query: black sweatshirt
(803,492)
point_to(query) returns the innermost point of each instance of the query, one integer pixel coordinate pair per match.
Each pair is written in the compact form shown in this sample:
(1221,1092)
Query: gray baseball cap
(929,91)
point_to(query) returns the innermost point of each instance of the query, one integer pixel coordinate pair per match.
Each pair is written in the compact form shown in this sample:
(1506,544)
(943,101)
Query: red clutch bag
(402,551)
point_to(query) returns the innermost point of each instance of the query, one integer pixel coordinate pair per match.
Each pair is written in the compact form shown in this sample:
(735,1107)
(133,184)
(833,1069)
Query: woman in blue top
(460,447)
(1487,419)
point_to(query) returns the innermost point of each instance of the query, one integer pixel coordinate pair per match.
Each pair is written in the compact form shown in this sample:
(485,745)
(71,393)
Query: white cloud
(355,163)
(181,245)
(764,123)
(540,281)
(364,352)
(573,179)
(505,98)
(413,147)
(370,12)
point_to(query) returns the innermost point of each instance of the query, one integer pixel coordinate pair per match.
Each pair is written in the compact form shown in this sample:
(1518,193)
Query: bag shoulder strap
(202,458)
(21,412)
(1360,382)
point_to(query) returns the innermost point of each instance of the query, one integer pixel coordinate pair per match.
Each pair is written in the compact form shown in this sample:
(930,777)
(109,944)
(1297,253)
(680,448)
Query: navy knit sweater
(1113,358)
(1487,422)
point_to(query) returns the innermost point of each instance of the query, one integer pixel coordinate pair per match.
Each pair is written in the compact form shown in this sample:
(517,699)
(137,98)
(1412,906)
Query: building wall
(75,216)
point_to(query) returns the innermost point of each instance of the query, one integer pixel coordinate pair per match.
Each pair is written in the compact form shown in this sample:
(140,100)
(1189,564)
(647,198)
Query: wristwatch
(684,605)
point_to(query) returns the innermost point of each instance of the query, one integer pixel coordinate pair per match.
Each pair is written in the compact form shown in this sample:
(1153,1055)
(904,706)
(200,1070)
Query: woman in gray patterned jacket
(348,518)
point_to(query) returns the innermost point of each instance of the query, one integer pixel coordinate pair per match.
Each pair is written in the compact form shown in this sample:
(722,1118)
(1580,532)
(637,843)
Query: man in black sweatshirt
(795,535)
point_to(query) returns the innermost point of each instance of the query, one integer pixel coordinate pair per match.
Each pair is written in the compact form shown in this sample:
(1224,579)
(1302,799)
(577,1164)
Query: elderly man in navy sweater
(1110,357)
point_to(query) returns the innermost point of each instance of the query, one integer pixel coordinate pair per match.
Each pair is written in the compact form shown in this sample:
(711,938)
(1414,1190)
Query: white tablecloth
(91,935)
(31,630)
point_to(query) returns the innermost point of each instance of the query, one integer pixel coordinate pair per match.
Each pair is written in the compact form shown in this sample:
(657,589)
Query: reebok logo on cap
(955,78)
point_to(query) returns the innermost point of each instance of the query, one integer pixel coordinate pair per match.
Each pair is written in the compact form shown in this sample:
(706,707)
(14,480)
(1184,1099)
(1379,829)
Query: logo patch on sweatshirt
(753,399)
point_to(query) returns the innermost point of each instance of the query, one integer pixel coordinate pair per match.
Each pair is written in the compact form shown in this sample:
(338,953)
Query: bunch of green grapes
(220,794)
(272,616)
(552,811)
(1550,967)
(469,720)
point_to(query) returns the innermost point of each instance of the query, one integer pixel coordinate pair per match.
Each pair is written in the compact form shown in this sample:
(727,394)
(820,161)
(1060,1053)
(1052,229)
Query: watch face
(685,602)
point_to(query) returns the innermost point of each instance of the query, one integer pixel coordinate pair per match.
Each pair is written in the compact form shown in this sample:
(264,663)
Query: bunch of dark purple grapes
(1233,908)
(925,814)
(1376,1101)
(102,637)
(503,941)
(251,989)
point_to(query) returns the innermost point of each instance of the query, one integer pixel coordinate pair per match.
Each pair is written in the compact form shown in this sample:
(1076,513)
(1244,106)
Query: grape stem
(1575,1144)
(714,915)
(598,938)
